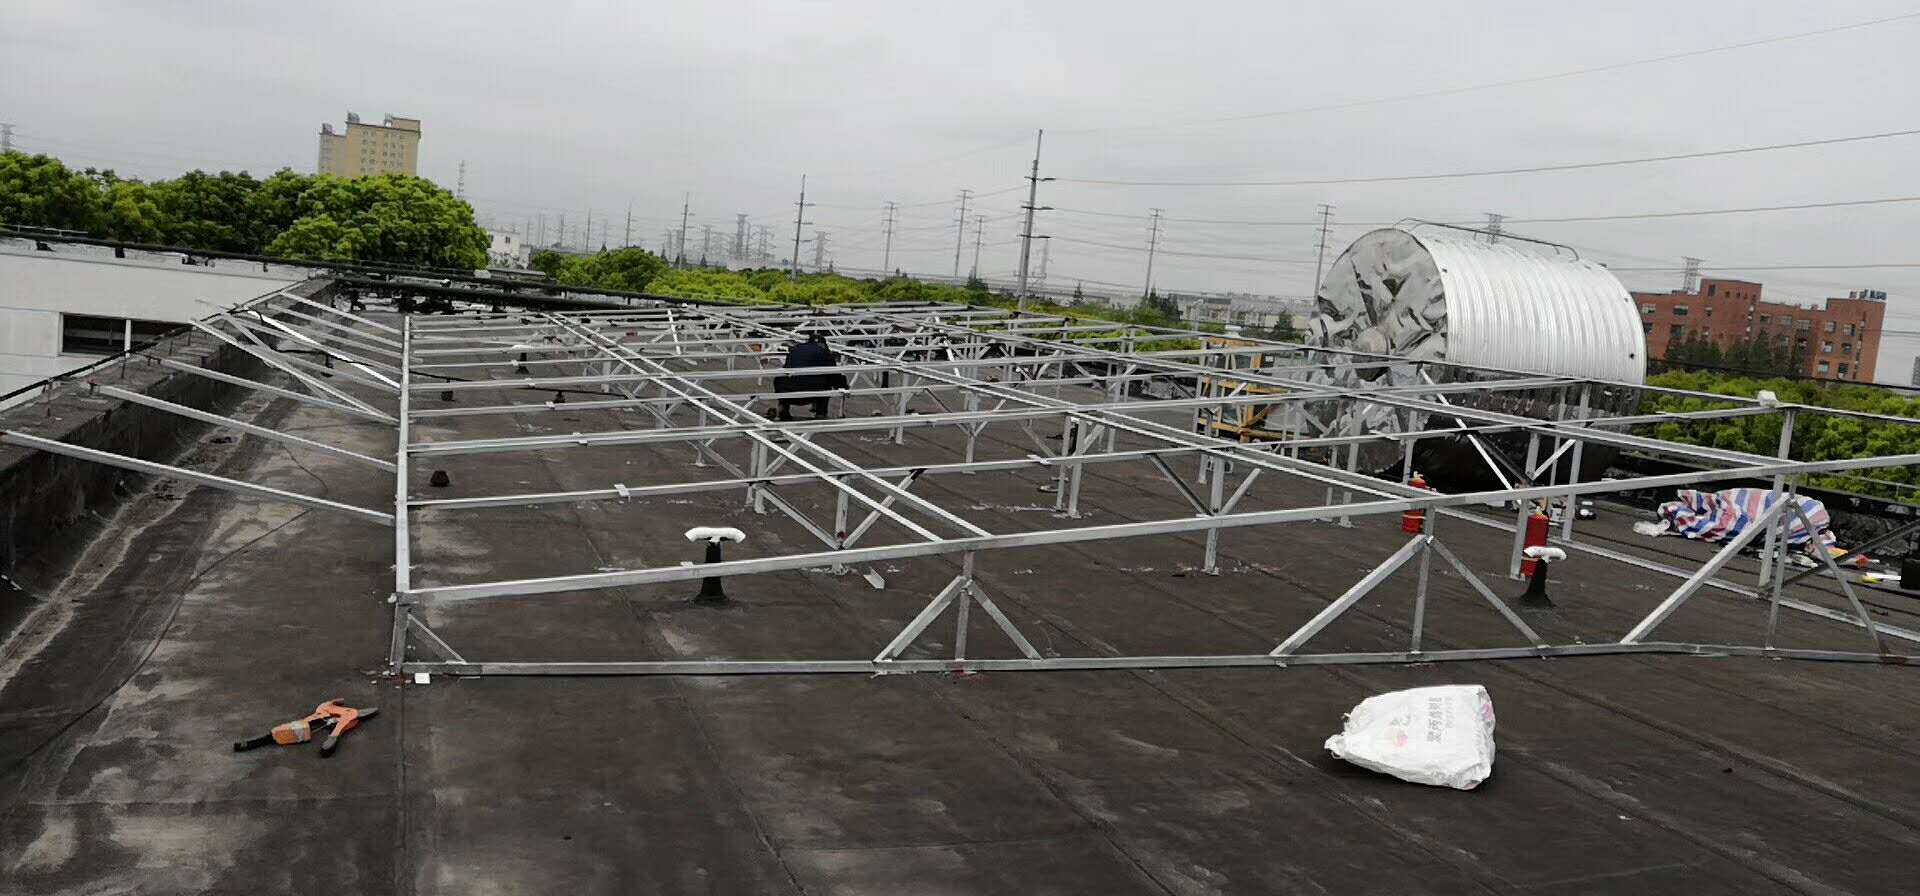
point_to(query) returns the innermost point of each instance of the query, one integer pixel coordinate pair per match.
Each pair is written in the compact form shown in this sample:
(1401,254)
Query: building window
(1849,329)
(1646,309)
(1676,332)
(1843,369)
(1846,348)
(1647,328)
(1831,326)
(1710,288)
(1679,311)
(84,335)
(1826,348)
(1766,318)
(1821,368)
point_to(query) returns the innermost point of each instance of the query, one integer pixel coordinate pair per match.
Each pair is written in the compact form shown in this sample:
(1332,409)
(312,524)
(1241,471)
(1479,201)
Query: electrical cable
(1512,82)
(1495,172)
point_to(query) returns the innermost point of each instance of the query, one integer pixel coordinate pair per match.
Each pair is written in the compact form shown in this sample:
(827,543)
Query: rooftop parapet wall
(47,499)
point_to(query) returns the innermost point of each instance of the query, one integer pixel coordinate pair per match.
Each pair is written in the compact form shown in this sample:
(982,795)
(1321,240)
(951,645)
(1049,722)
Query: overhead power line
(1514,82)
(1185,254)
(1570,219)
(1884,265)
(1493,172)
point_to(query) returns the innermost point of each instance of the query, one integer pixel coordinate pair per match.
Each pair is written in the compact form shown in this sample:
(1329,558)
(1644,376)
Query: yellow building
(390,147)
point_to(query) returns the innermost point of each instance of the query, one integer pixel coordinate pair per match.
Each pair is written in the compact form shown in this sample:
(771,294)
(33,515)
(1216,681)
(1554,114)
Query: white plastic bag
(1440,735)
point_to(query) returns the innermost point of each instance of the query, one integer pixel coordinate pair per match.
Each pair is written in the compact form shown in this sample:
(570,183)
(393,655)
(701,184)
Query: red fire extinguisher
(1537,525)
(1413,520)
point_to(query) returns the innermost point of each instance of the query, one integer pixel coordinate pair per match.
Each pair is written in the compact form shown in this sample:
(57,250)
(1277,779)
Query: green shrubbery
(1815,437)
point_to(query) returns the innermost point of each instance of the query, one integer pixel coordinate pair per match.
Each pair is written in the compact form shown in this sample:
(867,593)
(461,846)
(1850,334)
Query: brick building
(1841,340)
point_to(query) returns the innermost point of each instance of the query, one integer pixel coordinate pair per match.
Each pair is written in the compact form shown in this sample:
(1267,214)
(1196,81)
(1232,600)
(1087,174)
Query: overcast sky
(594,105)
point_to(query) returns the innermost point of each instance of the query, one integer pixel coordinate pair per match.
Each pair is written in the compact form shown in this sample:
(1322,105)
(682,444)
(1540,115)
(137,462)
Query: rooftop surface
(200,616)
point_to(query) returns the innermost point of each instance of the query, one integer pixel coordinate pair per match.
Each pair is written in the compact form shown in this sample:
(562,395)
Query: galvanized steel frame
(628,352)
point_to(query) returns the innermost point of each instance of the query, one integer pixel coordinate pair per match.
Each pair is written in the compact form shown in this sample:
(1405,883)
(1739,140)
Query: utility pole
(627,239)
(886,257)
(960,232)
(1153,244)
(603,234)
(460,185)
(527,234)
(680,256)
(541,241)
(1493,227)
(819,251)
(799,215)
(586,234)
(979,225)
(1026,236)
(1319,261)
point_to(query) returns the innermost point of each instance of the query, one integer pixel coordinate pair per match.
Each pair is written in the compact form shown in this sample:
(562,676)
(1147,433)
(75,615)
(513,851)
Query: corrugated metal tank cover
(1440,297)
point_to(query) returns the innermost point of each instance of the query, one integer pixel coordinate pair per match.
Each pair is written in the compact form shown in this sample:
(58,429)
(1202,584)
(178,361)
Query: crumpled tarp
(1721,515)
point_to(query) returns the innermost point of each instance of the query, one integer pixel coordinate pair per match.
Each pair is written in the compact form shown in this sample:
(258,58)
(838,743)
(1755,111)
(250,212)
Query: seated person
(811,353)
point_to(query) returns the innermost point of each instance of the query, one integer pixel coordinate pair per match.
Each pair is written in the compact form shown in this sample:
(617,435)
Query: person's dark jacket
(810,354)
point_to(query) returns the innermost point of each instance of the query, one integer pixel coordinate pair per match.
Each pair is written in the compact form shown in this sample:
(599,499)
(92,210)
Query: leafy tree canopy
(390,219)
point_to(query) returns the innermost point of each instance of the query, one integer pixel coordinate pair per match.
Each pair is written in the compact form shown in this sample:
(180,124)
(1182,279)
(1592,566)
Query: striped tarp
(1717,516)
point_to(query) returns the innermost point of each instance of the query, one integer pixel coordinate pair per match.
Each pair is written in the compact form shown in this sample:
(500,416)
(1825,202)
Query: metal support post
(1216,493)
(1779,485)
(1524,511)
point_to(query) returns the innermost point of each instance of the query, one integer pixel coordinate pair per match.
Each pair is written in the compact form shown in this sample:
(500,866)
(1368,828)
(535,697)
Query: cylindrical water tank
(1440,297)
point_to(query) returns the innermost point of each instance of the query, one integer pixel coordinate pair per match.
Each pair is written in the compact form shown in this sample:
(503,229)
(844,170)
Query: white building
(508,250)
(65,308)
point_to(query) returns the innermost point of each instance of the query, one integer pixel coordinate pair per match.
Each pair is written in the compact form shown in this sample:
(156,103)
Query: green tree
(209,211)
(390,219)
(629,270)
(129,212)
(39,191)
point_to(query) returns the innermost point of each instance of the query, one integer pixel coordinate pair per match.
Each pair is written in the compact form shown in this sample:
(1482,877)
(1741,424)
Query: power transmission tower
(979,226)
(527,234)
(886,257)
(560,239)
(765,234)
(541,240)
(627,238)
(1690,276)
(819,251)
(960,232)
(1319,260)
(603,234)
(799,216)
(739,237)
(680,256)
(460,184)
(1494,223)
(706,243)
(666,243)
(6,136)
(1153,243)
(1046,249)
(1026,236)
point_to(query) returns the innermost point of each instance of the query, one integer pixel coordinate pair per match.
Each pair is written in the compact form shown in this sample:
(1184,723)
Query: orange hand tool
(329,717)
